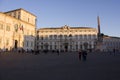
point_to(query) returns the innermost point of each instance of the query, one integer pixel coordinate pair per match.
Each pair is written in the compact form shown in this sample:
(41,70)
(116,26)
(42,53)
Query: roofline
(16,19)
(70,28)
(20,9)
(112,37)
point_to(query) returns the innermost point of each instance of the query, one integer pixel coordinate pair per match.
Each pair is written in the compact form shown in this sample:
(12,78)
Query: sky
(74,13)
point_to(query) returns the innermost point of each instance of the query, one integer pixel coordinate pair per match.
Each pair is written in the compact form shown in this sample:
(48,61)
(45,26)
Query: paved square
(63,66)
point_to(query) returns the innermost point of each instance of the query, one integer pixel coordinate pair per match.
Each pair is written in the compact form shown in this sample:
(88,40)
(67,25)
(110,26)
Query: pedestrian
(114,51)
(58,52)
(80,53)
(84,55)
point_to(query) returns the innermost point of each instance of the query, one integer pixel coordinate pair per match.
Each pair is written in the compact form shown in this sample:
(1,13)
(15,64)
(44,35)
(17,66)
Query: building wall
(16,32)
(111,43)
(23,15)
(66,38)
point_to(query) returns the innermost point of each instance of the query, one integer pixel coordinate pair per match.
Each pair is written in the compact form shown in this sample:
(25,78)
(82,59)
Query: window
(60,36)
(18,16)
(55,36)
(76,46)
(80,36)
(16,27)
(80,31)
(28,19)
(31,44)
(37,37)
(50,47)
(89,36)
(50,36)
(7,42)
(65,36)
(94,36)
(76,36)
(14,14)
(27,43)
(7,28)
(1,26)
(41,37)
(22,43)
(41,46)
(55,46)
(85,36)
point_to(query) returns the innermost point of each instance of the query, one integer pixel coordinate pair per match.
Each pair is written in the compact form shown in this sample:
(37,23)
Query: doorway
(16,44)
(66,46)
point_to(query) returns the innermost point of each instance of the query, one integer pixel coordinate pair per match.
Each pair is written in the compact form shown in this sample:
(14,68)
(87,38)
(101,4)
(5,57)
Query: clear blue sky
(75,13)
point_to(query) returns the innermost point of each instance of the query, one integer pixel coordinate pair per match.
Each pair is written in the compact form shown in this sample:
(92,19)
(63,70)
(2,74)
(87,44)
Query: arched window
(85,36)
(80,36)
(60,36)
(89,36)
(70,36)
(65,36)
(41,37)
(55,36)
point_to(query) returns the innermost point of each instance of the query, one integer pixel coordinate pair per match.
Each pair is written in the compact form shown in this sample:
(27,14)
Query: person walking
(80,53)
(84,55)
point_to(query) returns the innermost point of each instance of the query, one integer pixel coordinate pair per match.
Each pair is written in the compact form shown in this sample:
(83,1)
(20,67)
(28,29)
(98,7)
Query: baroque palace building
(17,29)
(66,38)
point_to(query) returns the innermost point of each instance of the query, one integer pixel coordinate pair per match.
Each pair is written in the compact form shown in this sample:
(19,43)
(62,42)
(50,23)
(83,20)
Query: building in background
(17,29)
(67,38)
(110,44)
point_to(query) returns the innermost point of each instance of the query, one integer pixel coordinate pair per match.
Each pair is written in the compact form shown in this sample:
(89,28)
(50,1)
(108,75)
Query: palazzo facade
(110,43)
(17,29)
(66,38)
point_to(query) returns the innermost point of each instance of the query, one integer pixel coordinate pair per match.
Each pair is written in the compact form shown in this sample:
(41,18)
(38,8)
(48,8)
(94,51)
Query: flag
(21,28)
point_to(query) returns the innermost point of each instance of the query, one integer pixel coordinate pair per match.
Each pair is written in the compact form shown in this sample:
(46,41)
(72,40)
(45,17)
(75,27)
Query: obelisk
(99,33)
(99,41)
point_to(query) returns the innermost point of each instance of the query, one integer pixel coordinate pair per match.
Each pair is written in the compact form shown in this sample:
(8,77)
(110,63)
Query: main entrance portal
(66,46)
(16,44)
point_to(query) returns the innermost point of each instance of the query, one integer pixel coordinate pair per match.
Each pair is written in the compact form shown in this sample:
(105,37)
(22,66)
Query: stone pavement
(63,66)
